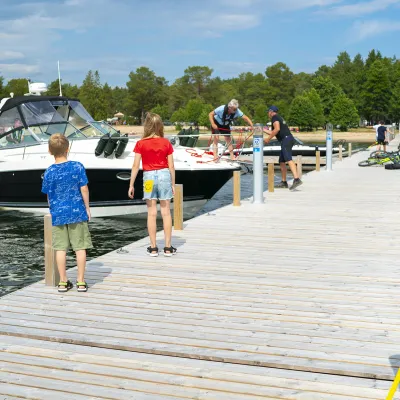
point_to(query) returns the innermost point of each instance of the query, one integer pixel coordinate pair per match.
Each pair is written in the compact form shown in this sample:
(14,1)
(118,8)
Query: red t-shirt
(155,152)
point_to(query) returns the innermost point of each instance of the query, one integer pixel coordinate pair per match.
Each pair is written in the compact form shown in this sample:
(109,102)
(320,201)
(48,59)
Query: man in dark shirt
(381,136)
(286,139)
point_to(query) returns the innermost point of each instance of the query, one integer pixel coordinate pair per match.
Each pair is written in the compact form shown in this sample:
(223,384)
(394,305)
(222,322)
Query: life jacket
(227,119)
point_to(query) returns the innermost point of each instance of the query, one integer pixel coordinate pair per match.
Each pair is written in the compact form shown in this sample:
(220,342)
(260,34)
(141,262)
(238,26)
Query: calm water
(21,238)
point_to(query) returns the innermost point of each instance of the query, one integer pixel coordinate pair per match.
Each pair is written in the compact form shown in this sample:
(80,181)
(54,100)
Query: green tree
(372,57)
(328,92)
(162,111)
(109,100)
(92,96)
(2,91)
(119,99)
(376,92)
(260,115)
(179,116)
(394,104)
(342,73)
(198,78)
(17,86)
(302,113)
(193,110)
(204,119)
(318,113)
(344,113)
(281,82)
(145,91)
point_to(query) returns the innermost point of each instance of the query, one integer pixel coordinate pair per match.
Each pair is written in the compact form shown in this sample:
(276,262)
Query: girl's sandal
(64,286)
(169,251)
(81,286)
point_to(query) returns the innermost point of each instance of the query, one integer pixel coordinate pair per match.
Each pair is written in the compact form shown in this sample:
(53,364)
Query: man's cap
(273,108)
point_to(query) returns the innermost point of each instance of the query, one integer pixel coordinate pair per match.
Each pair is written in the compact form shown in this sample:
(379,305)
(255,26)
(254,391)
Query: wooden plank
(236,188)
(327,305)
(191,374)
(178,207)
(52,276)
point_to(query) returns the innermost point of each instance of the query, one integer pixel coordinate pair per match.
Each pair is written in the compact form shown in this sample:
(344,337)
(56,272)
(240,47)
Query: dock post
(51,275)
(349,149)
(299,163)
(340,152)
(271,176)
(258,166)
(178,208)
(236,188)
(329,134)
(318,160)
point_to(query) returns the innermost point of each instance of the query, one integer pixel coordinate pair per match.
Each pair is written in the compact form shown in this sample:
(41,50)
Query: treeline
(344,93)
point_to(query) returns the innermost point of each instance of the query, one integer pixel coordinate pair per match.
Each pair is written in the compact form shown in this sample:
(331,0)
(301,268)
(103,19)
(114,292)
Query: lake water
(21,237)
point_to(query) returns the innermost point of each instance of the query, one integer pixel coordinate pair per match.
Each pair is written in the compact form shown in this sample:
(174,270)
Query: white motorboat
(299,149)
(26,124)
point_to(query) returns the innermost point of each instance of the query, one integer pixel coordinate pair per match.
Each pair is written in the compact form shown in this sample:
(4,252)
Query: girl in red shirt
(155,152)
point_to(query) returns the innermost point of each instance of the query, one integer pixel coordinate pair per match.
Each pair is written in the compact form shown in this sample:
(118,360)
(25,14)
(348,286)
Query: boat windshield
(44,118)
(98,128)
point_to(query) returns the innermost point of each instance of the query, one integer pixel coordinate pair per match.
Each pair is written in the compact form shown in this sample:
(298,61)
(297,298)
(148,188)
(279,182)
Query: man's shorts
(157,185)
(381,141)
(76,236)
(222,130)
(286,149)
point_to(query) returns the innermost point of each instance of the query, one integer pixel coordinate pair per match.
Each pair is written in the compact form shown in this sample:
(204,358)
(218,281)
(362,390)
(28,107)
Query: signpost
(329,137)
(258,166)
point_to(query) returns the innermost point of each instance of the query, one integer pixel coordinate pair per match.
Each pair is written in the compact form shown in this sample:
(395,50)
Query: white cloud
(361,8)
(234,68)
(18,69)
(362,30)
(10,55)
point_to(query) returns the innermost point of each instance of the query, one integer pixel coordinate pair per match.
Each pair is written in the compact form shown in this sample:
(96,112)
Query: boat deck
(296,298)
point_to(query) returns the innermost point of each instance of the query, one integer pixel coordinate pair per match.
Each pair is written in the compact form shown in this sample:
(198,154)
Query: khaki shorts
(76,236)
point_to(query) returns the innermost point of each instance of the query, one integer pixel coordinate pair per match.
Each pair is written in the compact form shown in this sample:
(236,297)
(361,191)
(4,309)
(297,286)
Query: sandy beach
(359,136)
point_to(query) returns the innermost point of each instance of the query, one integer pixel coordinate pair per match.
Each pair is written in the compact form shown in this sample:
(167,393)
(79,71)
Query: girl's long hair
(153,125)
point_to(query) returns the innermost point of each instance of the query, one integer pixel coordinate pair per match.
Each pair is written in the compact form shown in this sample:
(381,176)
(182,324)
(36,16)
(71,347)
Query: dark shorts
(286,149)
(381,141)
(222,130)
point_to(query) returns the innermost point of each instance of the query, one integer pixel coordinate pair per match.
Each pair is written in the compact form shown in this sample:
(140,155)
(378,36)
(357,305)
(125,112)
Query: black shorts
(222,130)
(381,141)
(286,149)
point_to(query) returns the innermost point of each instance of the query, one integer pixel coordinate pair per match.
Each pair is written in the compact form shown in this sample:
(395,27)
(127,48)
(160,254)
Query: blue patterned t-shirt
(62,183)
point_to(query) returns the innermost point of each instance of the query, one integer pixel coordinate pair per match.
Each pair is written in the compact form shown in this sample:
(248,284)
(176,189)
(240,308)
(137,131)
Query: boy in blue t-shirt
(65,184)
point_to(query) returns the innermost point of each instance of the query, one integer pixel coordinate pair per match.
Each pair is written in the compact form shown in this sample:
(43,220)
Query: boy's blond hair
(153,125)
(58,145)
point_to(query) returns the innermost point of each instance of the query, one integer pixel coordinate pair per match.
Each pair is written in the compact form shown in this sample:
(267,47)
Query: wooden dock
(296,298)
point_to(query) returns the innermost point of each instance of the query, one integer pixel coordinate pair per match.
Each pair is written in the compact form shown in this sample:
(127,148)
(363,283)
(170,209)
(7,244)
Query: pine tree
(318,115)
(394,104)
(344,113)
(328,92)
(302,112)
(377,92)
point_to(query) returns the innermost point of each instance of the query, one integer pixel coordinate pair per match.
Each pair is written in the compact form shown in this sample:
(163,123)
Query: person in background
(156,154)
(281,131)
(221,119)
(381,136)
(17,136)
(65,184)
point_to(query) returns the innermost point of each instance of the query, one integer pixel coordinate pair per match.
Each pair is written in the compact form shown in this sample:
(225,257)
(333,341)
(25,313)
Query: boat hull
(21,190)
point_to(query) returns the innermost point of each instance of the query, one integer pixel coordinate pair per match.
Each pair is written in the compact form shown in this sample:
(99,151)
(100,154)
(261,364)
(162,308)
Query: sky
(230,36)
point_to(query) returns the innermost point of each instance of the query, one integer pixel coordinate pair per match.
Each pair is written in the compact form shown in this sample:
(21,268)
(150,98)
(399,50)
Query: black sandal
(65,286)
(152,251)
(169,251)
(81,286)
